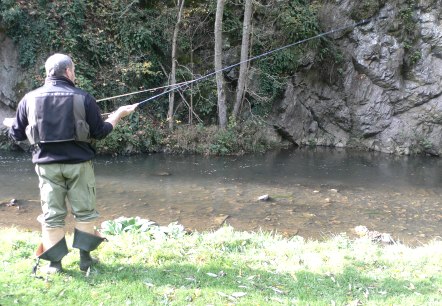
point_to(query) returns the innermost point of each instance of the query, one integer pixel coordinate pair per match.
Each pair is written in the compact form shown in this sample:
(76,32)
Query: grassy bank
(141,133)
(226,267)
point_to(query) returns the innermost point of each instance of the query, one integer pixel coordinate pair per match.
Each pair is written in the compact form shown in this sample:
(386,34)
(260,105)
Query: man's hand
(125,110)
(8,122)
(121,112)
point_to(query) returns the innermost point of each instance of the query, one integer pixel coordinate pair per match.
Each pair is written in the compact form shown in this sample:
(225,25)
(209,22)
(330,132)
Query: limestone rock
(385,99)
(10,72)
(9,78)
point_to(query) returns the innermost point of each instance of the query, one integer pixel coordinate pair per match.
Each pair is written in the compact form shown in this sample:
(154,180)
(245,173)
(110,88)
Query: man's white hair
(57,63)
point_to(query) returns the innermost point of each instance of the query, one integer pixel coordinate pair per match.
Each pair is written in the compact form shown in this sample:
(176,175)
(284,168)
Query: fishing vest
(56,117)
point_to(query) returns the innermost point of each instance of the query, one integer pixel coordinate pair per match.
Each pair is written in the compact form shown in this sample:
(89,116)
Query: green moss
(365,9)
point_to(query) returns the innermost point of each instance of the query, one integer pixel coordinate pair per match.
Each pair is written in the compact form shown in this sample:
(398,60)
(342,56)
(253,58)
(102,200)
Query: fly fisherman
(60,121)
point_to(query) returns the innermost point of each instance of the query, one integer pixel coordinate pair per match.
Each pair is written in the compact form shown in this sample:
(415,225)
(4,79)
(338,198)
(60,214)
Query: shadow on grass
(259,284)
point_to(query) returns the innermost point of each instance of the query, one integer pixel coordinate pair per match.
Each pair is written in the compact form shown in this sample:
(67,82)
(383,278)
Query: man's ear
(70,74)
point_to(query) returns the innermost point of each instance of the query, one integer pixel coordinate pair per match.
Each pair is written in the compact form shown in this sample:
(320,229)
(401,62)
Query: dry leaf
(239,294)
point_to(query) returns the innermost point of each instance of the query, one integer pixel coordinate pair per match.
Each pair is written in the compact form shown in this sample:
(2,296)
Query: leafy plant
(293,21)
(137,225)
(135,134)
(112,53)
(236,139)
(408,34)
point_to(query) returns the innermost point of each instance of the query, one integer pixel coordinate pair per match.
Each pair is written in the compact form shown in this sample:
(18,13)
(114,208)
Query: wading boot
(54,255)
(86,242)
(53,267)
(86,260)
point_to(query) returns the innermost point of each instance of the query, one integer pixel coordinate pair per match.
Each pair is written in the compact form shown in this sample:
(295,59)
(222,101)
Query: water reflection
(314,192)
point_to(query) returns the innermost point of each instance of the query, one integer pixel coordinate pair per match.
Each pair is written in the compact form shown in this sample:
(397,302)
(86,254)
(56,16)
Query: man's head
(60,65)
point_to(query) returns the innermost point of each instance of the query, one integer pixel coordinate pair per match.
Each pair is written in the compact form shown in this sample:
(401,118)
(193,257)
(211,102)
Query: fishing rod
(184,84)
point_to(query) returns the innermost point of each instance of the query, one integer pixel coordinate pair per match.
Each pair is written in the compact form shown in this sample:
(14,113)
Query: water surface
(314,193)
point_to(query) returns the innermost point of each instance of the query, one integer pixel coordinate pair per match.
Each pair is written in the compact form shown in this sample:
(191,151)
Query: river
(314,193)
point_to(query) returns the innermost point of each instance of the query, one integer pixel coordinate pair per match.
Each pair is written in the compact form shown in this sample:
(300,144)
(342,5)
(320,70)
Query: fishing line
(140,91)
(184,84)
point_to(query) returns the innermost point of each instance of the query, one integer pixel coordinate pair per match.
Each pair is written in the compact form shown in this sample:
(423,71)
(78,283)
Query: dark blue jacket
(69,152)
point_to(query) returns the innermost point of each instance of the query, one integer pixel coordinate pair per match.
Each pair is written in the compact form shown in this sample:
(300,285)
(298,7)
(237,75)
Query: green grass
(226,267)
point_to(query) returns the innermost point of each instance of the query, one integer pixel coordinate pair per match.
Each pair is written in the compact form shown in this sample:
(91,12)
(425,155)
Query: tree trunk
(172,82)
(243,69)
(222,108)
(191,85)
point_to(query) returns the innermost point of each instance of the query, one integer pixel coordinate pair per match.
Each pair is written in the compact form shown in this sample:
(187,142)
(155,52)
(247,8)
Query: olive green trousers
(74,182)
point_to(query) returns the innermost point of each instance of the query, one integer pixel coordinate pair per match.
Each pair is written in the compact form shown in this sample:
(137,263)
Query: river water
(314,193)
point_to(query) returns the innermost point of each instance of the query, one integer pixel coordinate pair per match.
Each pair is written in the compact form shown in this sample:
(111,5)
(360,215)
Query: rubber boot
(86,260)
(86,242)
(54,255)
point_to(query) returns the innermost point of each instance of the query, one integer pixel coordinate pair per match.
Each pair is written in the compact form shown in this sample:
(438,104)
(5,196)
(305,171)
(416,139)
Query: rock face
(9,77)
(387,93)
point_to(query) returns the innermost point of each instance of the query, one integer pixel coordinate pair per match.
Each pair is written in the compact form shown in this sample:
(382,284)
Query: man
(60,120)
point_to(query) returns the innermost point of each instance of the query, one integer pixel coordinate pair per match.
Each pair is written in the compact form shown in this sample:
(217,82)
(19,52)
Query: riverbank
(226,267)
(141,134)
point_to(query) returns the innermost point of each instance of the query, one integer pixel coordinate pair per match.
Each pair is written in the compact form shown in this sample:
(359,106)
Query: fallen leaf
(238,294)
(277,290)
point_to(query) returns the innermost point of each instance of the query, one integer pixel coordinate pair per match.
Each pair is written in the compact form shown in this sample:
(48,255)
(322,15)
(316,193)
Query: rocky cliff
(9,71)
(9,78)
(386,96)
